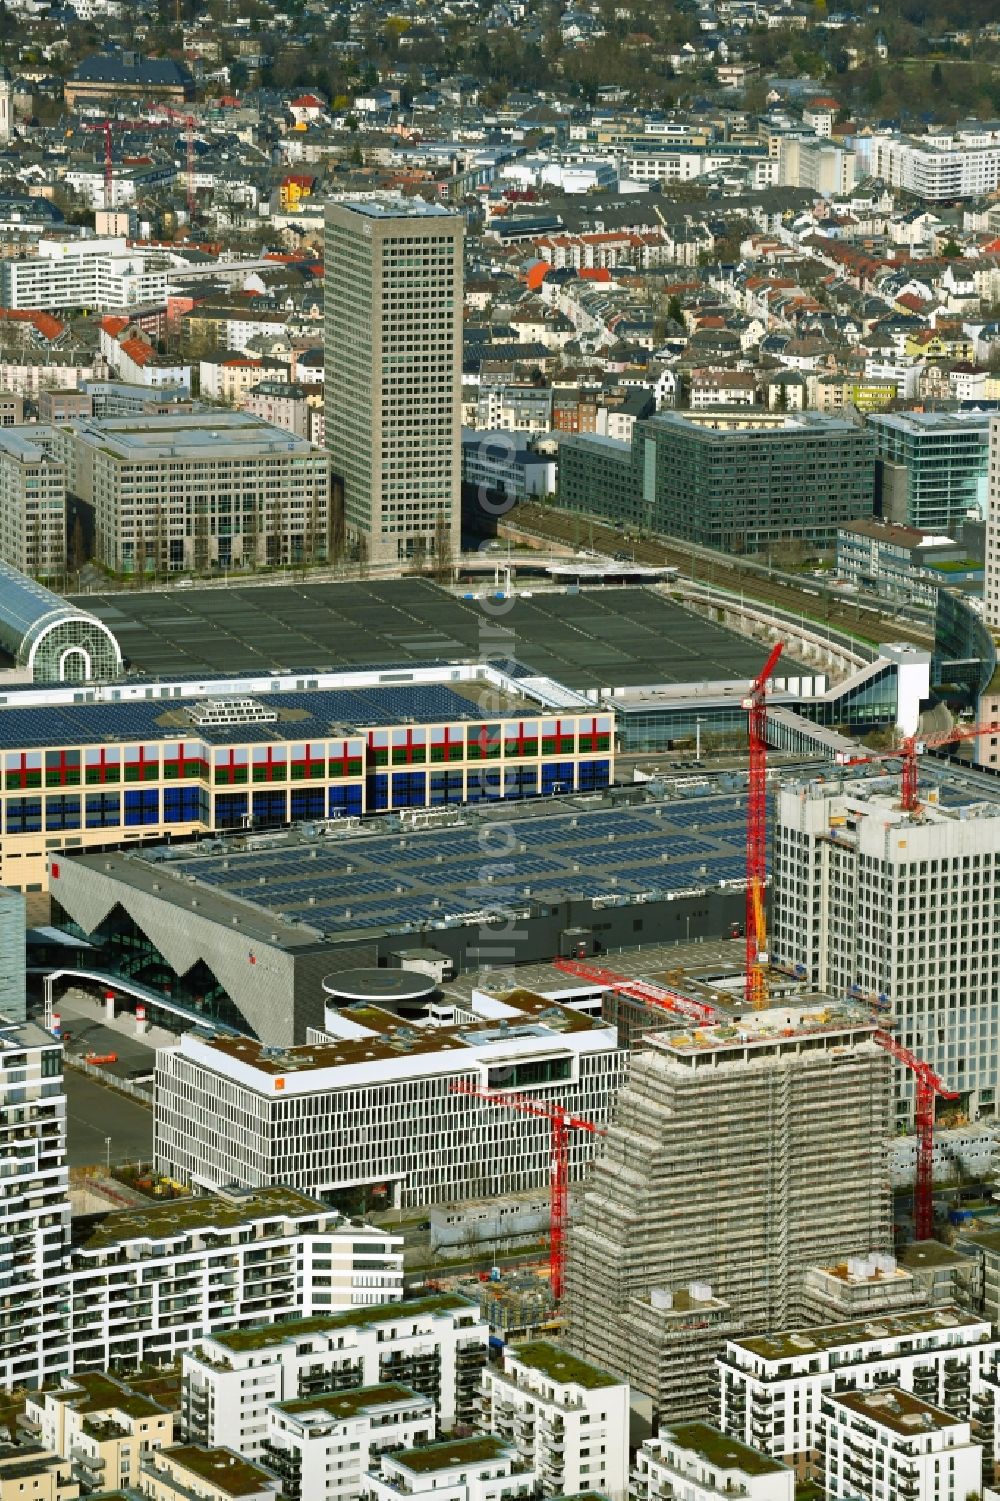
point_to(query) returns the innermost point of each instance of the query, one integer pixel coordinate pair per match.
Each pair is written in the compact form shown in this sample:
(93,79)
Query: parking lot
(95,1113)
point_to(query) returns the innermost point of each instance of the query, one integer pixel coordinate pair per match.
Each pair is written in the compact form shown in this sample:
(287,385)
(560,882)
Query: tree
(442,549)
(937,77)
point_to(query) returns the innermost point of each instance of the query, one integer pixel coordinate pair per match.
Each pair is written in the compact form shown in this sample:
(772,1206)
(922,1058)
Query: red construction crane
(755,704)
(108,173)
(640,990)
(928,1086)
(562,1122)
(912,746)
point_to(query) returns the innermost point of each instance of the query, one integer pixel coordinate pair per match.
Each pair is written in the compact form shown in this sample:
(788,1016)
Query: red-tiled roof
(138,351)
(48,326)
(113,326)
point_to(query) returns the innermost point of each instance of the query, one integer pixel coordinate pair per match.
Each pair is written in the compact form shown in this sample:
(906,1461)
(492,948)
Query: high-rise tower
(393,289)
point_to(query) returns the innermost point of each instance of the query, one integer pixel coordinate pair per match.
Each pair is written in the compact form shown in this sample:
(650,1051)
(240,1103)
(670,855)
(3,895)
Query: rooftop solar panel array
(402,880)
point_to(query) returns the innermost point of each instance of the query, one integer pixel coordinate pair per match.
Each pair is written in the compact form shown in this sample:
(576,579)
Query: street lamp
(698,722)
(107,1143)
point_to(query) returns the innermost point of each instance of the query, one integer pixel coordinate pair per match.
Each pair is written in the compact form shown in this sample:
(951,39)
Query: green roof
(204,1212)
(261,1335)
(93,1391)
(559,1365)
(348,1404)
(718,1448)
(222,1467)
(457,1451)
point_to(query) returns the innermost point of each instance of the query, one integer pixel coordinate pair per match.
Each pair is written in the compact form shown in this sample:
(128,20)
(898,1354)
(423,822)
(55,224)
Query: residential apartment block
(890,1444)
(700,1463)
(34,1207)
(436,1347)
(568,1420)
(871,900)
(186,1472)
(465,1469)
(393,293)
(104,274)
(199,491)
(32,500)
(772,1386)
(323,1445)
(101,1426)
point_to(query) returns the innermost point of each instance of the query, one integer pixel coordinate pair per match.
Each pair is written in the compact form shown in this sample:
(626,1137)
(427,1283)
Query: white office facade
(385,1114)
(100,274)
(434,1346)
(871,902)
(32,500)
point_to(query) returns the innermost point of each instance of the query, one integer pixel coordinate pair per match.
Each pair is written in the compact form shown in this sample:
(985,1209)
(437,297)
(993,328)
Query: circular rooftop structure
(379,987)
(55,641)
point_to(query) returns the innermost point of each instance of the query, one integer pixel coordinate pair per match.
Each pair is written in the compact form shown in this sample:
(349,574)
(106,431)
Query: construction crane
(646,991)
(912,746)
(562,1122)
(108,173)
(928,1087)
(755,704)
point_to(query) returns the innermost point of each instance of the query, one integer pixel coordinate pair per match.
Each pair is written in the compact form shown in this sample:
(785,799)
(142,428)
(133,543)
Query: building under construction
(740,1156)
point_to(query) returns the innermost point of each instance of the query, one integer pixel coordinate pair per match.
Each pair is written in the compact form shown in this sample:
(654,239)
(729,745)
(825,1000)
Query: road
(94,1113)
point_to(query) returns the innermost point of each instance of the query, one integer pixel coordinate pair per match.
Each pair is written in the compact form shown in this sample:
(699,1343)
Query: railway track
(854,619)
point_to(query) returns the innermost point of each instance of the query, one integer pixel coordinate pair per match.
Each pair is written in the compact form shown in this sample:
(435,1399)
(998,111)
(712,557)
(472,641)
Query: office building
(187,1472)
(322,1445)
(32,500)
(12,956)
(104,275)
(900,563)
(435,1347)
(34,1207)
(742,483)
(464,1469)
(772,1386)
(568,1419)
(298,1106)
(698,1462)
(198,491)
(879,903)
(393,294)
(931,468)
(100,1425)
(687,1198)
(890,1443)
(147,1284)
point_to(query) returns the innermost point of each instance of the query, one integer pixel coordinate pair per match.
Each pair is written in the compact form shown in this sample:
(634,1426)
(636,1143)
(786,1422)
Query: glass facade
(932,467)
(739,489)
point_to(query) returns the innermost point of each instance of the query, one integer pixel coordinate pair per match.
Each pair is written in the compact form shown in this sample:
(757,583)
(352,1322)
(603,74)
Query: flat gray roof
(398,208)
(595,639)
(200,435)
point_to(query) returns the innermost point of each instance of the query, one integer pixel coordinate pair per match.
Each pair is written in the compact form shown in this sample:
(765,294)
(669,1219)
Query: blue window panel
(230,810)
(142,806)
(594,774)
(270,807)
(447,787)
(378,795)
(24,815)
(409,789)
(181,805)
(557,774)
(104,810)
(345,802)
(521,781)
(308,802)
(62,813)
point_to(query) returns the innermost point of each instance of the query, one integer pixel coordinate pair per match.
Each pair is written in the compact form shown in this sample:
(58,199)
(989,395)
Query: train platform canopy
(49,639)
